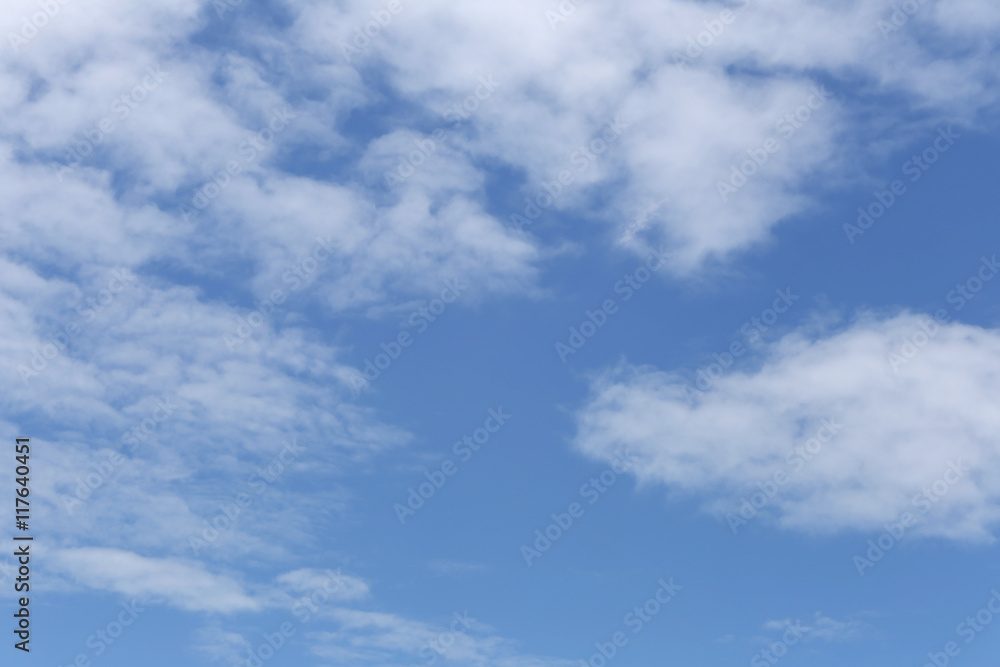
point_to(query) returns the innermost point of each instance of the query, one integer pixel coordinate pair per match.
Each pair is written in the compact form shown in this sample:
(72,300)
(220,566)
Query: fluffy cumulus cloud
(727,110)
(198,195)
(132,150)
(724,113)
(843,429)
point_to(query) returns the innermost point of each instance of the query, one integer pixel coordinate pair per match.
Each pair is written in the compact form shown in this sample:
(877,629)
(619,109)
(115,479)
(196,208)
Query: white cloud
(824,628)
(184,584)
(228,414)
(832,630)
(222,646)
(118,209)
(561,81)
(557,88)
(365,637)
(901,433)
(339,586)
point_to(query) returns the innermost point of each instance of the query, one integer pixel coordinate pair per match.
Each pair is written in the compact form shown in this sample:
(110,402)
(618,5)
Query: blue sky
(512,335)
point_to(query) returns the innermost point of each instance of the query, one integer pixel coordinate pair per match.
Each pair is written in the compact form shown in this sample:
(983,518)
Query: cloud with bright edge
(918,436)
(560,83)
